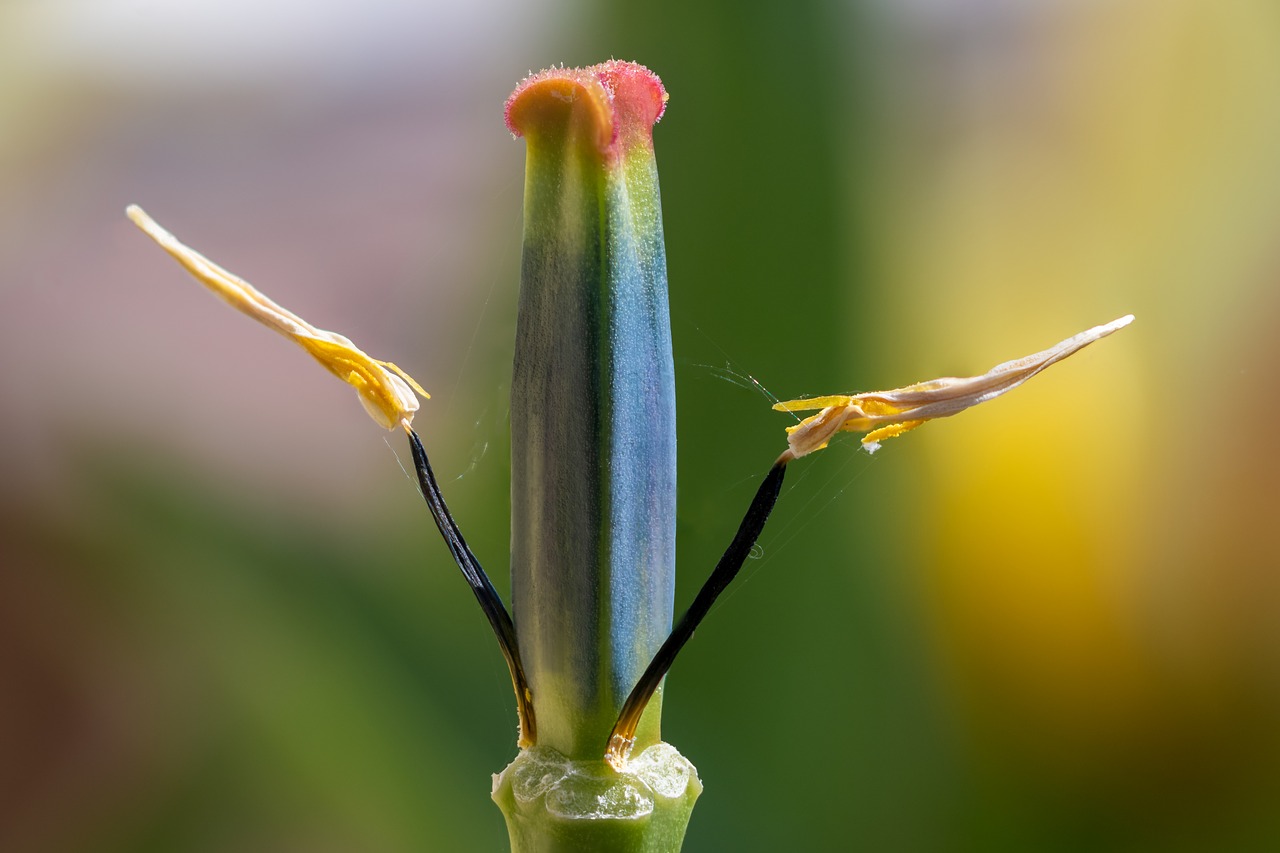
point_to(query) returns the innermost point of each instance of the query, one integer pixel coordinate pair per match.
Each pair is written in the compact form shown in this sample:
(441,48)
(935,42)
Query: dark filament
(490,601)
(624,731)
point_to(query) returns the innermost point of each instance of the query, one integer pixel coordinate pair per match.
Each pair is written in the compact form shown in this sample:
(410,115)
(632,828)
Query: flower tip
(620,99)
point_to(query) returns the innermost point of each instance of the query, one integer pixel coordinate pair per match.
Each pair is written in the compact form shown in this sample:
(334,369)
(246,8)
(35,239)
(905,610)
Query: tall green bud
(593,478)
(593,432)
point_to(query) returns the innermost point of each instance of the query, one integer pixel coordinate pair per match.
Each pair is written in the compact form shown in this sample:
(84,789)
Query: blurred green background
(1051,624)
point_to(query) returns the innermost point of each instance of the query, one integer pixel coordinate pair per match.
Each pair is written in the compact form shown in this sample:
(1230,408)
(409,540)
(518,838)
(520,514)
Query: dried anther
(885,414)
(386,391)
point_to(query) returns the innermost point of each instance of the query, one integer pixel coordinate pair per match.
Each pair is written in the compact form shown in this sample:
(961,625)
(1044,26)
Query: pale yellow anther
(885,414)
(385,391)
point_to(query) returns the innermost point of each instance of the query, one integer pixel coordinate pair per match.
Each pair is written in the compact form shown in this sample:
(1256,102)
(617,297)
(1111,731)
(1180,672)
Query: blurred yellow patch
(885,414)
(386,391)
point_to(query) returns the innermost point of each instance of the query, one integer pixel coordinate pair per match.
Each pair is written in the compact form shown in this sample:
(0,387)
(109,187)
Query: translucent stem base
(553,803)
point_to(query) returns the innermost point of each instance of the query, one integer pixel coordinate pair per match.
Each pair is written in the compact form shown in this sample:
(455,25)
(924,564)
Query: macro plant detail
(590,633)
